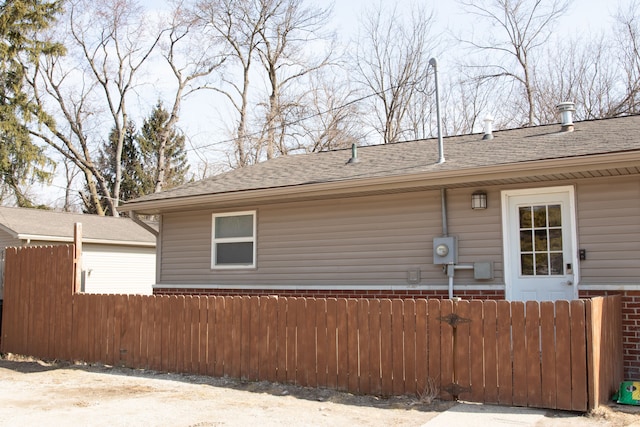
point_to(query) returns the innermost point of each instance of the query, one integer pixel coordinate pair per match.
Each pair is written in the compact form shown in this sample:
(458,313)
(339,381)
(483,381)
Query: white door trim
(509,263)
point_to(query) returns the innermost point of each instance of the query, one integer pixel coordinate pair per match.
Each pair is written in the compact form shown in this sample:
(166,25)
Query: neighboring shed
(118,255)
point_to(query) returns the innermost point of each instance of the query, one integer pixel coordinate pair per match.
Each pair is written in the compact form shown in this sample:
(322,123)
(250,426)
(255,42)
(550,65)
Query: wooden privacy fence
(563,355)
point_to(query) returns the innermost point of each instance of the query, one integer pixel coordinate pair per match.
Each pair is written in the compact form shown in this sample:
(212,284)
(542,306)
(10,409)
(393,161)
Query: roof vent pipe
(488,127)
(354,154)
(434,63)
(566,110)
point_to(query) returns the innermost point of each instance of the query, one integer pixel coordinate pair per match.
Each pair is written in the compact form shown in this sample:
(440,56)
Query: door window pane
(541,240)
(557,263)
(541,245)
(525,217)
(526,241)
(542,264)
(555,239)
(539,216)
(555,217)
(526,264)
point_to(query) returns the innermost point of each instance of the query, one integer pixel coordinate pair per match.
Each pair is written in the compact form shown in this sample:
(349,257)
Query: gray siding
(375,240)
(609,231)
(371,240)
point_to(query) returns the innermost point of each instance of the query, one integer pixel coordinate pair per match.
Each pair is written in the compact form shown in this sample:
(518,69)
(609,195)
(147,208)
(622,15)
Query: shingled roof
(43,225)
(521,151)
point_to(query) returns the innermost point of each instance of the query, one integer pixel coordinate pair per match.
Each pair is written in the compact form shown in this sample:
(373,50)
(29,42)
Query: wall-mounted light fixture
(479,200)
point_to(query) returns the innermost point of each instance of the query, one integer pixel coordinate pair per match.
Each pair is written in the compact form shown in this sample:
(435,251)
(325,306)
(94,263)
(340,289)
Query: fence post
(77,257)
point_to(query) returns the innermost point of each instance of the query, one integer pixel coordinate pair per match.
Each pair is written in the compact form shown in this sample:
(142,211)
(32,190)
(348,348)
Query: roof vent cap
(566,110)
(488,127)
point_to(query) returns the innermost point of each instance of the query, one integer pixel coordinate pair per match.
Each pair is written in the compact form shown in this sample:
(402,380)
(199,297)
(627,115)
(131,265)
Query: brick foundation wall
(314,293)
(630,329)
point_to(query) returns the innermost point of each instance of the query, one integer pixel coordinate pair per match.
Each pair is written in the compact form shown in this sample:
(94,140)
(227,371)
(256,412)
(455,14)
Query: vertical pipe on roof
(434,63)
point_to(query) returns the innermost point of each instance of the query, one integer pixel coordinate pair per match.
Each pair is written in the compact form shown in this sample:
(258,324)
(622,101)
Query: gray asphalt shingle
(461,152)
(38,222)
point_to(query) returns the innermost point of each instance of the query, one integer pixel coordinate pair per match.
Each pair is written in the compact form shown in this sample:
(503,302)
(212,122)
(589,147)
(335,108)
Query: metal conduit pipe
(443,203)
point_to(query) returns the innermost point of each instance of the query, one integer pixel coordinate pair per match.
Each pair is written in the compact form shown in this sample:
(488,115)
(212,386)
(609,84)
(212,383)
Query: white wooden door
(540,244)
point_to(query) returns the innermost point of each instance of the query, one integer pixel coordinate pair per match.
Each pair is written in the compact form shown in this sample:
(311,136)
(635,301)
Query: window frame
(215,241)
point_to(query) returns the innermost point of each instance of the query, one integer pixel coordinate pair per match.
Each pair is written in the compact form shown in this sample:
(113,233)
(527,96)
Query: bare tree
(110,42)
(328,116)
(192,58)
(391,61)
(583,70)
(628,49)
(235,25)
(522,26)
(290,29)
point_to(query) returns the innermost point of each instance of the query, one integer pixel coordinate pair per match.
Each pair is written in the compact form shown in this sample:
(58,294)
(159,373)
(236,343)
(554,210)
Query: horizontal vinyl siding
(375,240)
(186,247)
(479,233)
(357,241)
(609,231)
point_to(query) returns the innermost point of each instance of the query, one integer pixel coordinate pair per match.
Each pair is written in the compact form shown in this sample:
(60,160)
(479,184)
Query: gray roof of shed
(38,224)
(467,152)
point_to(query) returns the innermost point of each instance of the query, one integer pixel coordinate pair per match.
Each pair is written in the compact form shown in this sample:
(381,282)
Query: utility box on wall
(445,250)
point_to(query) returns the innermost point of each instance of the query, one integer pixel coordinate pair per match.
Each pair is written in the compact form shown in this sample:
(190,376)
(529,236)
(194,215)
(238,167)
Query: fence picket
(233,347)
(332,343)
(476,351)
(422,352)
(533,359)
(519,339)
(579,396)
(342,345)
(213,340)
(364,342)
(281,346)
(462,359)
(548,354)
(433,340)
(410,346)
(490,342)
(222,330)
(321,341)
(386,348)
(505,365)
(446,348)
(563,356)
(352,346)
(375,377)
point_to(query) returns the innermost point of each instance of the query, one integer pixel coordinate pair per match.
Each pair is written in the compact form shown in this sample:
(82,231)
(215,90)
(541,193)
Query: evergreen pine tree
(21,161)
(176,167)
(132,173)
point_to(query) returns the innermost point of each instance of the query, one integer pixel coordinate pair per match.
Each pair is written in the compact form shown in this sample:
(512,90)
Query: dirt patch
(34,392)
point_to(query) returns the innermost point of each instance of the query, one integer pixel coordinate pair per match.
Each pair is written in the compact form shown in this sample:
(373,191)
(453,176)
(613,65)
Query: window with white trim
(233,240)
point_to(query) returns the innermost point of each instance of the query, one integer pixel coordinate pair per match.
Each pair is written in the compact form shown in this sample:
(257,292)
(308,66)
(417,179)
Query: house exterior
(539,213)
(118,255)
